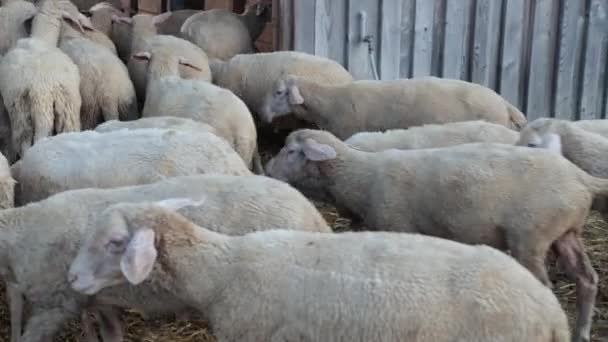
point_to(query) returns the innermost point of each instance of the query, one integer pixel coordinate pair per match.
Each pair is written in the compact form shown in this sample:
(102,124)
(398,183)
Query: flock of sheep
(132,179)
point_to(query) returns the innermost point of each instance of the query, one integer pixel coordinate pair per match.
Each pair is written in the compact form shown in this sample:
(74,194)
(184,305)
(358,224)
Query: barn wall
(549,57)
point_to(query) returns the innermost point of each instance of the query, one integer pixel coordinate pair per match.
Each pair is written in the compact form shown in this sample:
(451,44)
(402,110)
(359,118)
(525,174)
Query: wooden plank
(408,12)
(390,39)
(595,62)
(358,61)
(303,31)
(330,29)
(456,42)
(512,80)
(285,25)
(438,36)
(570,54)
(485,43)
(542,59)
(423,38)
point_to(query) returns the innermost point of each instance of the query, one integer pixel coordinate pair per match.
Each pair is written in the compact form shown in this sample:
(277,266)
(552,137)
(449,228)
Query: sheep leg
(43,324)
(258,169)
(15,299)
(88,328)
(532,258)
(67,112)
(576,263)
(110,326)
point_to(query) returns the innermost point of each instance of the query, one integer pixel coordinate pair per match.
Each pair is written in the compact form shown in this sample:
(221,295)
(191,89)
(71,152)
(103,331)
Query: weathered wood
(408,11)
(456,41)
(595,62)
(542,59)
(330,29)
(438,35)
(285,36)
(511,82)
(390,39)
(423,44)
(303,26)
(570,53)
(358,57)
(485,42)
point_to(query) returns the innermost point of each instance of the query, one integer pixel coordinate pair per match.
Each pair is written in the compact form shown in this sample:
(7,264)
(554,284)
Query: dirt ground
(139,330)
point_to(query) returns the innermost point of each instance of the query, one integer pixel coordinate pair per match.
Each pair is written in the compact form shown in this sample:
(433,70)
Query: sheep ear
(553,143)
(185,62)
(75,24)
(141,56)
(139,257)
(161,18)
(86,23)
(295,98)
(318,152)
(174,204)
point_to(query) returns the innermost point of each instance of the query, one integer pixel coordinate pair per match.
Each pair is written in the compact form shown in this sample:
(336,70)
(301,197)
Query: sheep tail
(517,118)
(67,112)
(258,169)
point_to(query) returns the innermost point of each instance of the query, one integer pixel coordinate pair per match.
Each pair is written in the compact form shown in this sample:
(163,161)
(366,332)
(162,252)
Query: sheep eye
(531,145)
(291,152)
(116,245)
(280,92)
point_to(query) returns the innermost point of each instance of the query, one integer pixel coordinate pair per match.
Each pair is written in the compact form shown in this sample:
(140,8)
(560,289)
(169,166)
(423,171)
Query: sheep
(251,76)
(7,185)
(105,87)
(170,23)
(287,285)
(39,83)
(169,94)
(582,147)
(599,126)
(430,136)
(105,160)
(156,122)
(142,30)
(101,17)
(238,32)
(471,193)
(233,205)
(379,105)
(15,18)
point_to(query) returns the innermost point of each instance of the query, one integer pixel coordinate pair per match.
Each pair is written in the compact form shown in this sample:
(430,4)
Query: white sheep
(105,87)
(287,286)
(39,83)
(251,76)
(430,136)
(39,241)
(598,126)
(7,185)
(379,105)
(120,158)
(101,16)
(171,22)
(156,122)
(169,94)
(579,144)
(15,17)
(237,32)
(143,37)
(514,198)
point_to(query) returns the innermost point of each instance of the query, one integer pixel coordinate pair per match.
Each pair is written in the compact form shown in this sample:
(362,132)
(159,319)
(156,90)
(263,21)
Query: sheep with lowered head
(430,136)
(101,16)
(581,146)
(105,87)
(169,94)
(31,236)
(143,32)
(288,286)
(251,76)
(380,105)
(156,122)
(238,32)
(120,158)
(39,83)
(471,193)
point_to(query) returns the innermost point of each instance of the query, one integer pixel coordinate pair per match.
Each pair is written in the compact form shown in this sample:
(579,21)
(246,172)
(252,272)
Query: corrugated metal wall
(549,57)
